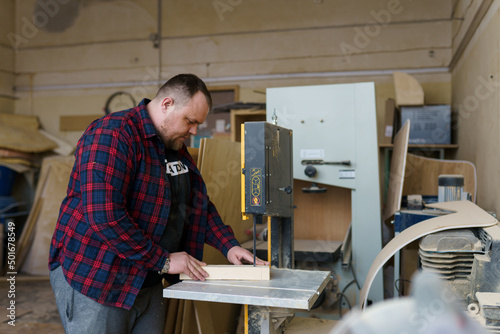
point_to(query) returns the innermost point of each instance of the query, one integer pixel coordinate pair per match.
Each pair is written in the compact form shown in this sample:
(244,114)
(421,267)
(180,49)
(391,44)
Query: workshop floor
(36,310)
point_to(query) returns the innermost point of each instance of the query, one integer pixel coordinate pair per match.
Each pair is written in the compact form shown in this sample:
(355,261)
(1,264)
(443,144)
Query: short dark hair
(185,86)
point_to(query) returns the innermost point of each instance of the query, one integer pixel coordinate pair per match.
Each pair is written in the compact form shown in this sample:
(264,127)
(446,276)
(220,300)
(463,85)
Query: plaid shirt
(117,207)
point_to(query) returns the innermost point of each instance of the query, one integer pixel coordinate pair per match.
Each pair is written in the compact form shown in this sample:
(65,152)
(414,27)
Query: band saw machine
(267,191)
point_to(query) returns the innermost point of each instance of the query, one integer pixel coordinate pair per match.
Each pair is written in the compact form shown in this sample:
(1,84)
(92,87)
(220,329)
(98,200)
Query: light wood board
(324,216)
(220,165)
(22,139)
(194,154)
(76,122)
(397,173)
(409,92)
(421,175)
(35,240)
(235,272)
(466,214)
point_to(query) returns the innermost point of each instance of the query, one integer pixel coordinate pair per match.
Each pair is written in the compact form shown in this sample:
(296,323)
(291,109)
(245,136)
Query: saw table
(271,304)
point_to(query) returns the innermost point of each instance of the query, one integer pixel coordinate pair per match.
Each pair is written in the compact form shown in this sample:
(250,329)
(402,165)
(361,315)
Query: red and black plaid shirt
(117,207)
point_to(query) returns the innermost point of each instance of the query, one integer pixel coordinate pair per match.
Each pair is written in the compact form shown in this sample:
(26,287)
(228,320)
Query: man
(136,209)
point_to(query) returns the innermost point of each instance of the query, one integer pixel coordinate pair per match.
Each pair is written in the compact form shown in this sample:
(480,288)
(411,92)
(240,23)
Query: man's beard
(172,144)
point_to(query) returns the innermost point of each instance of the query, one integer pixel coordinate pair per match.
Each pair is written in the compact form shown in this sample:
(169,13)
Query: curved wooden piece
(466,214)
(421,175)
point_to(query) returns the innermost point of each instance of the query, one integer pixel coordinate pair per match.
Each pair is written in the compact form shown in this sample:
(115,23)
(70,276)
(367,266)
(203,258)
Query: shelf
(429,146)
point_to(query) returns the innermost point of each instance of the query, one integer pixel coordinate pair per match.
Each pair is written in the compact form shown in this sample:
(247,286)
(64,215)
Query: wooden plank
(397,173)
(466,214)
(421,175)
(235,272)
(77,122)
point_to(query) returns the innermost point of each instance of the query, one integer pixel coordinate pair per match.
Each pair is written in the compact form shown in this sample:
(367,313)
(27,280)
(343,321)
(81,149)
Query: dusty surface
(35,307)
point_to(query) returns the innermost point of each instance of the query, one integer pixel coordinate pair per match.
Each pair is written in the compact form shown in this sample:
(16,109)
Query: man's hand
(182,262)
(238,255)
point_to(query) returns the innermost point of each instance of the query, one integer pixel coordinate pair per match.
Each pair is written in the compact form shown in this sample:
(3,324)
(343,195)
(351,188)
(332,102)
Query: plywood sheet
(24,139)
(397,173)
(235,272)
(324,216)
(466,214)
(408,90)
(204,317)
(194,152)
(76,122)
(25,121)
(421,175)
(39,227)
(219,162)
(220,166)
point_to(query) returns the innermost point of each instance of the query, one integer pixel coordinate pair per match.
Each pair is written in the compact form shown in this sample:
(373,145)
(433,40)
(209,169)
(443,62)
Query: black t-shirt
(171,240)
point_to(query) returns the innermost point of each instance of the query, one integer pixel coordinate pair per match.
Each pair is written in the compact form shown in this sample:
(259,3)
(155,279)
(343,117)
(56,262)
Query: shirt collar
(149,129)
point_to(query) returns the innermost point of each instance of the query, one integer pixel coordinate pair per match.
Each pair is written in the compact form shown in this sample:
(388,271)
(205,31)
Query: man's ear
(167,103)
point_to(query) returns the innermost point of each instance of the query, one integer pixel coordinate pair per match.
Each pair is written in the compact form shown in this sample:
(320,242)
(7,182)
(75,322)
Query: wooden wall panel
(476,102)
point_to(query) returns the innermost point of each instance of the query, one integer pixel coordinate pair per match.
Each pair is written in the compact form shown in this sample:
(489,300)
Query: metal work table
(270,303)
(290,288)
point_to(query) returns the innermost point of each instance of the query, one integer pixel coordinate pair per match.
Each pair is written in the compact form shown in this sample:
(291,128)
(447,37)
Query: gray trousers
(80,314)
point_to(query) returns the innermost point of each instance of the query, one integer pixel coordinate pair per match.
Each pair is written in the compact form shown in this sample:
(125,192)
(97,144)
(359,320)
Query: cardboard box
(429,124)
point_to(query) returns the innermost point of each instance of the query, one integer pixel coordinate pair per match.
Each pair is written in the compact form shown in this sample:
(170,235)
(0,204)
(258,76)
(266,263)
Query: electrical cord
(397,286)
(343,295)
